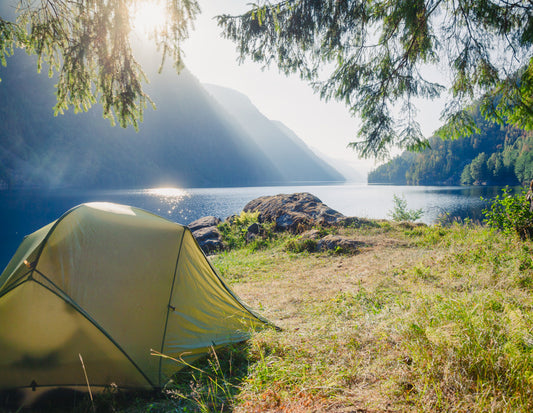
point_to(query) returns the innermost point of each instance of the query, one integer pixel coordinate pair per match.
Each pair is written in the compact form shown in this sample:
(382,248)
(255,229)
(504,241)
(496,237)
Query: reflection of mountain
(190,140)
(291,156)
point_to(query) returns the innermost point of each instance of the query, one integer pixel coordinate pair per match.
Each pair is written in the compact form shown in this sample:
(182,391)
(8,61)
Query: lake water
(25,211)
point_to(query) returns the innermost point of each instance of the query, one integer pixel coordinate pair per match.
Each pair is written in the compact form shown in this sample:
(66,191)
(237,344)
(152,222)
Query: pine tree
(373,51)
(87,43)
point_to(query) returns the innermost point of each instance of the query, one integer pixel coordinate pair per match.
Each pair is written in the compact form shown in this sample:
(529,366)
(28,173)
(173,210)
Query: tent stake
(87,380)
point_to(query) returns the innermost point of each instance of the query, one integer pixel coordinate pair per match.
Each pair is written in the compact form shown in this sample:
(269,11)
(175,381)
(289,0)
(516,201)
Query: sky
(325,127)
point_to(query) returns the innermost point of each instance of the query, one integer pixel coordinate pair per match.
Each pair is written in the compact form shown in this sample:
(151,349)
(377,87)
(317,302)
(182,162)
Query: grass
(423,319)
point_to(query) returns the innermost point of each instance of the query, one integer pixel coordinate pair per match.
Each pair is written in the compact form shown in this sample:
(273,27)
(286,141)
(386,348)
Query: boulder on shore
(209,221)
(293,212)
(207,234)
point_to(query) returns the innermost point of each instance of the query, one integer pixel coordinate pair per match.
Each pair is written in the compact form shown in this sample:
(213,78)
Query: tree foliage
(88,44)
(372,55)
(510,214)
(497,155)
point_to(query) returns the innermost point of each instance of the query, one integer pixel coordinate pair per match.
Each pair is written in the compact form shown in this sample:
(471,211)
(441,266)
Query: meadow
(421,318)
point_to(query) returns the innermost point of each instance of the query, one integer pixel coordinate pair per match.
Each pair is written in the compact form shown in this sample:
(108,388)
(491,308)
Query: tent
(110,283)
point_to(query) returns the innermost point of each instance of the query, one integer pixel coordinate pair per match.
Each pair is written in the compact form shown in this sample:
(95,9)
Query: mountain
(498,155)
(293,159)
(350,172)
(189,141)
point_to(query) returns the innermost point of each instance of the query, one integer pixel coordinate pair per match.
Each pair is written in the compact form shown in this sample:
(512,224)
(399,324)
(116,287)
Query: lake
(25,211)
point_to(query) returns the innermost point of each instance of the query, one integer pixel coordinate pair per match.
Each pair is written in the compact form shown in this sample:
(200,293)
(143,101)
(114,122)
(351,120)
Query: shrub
(234,231)
(401,213)
(510,214)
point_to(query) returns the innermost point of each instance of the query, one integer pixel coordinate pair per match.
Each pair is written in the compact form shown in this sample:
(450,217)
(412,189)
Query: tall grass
(441,322)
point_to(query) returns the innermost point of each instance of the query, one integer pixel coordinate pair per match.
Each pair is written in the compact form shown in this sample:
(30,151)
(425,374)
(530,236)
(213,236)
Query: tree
(87,42)
(478,168)
(466,176)
(376,52)
(496,168)
(524,167)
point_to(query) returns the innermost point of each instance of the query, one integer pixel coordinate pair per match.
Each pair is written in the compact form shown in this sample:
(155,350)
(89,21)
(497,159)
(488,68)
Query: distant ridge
(290,155)
(191,140)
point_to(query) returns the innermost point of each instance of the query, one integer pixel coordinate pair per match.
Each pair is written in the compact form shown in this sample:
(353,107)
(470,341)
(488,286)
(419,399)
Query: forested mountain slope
(498,155)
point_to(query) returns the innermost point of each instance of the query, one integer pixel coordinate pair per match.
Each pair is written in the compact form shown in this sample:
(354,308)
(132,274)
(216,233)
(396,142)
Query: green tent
(110,283)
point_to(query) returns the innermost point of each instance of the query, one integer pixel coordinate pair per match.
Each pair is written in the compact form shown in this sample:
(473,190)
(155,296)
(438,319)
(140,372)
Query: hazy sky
(327,127)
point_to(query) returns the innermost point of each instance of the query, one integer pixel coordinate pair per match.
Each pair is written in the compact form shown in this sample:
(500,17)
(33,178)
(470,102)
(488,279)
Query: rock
(255,228)
(209,239)
(313,234)
(207,234)
(253,232)
(203,222)
(339,243)
(294,212)
(231,219)
(294,222)
(211,246)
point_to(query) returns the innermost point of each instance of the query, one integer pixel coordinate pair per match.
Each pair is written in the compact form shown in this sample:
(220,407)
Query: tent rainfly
(111,282)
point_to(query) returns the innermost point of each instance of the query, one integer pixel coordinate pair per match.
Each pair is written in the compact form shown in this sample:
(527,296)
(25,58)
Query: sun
(148,16)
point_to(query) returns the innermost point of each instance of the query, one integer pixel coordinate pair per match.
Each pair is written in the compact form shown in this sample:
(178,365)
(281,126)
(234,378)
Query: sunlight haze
(148,16)
(326,127)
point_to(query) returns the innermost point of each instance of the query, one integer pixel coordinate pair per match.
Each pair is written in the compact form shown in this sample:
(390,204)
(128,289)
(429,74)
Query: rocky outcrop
(339,244)
(313,234)
(207,234)
(253,231)
(294,212)
(297,213)
(204,222)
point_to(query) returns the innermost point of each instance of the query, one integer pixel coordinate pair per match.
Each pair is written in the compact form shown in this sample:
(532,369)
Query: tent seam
(51,231)
(21,281)
(263,320)
(169,300)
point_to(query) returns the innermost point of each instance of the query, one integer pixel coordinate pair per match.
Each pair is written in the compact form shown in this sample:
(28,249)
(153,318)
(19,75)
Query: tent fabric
(112,282)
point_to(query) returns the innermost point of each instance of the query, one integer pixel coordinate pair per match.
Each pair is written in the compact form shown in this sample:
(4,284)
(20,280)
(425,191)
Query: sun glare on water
(167,192)
(148,16)
(170,199)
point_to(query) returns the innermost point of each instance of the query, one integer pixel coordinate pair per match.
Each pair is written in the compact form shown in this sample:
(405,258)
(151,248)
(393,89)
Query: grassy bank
(421,319)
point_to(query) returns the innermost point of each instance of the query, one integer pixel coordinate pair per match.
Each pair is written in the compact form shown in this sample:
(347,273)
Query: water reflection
(167,192)
(447,204)
(170,200)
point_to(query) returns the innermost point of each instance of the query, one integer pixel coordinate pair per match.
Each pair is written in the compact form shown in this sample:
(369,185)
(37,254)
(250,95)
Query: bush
(401,213)
(234,231)
(510,214)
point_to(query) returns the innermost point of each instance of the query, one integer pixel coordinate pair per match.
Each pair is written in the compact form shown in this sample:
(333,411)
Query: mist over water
(25,211)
